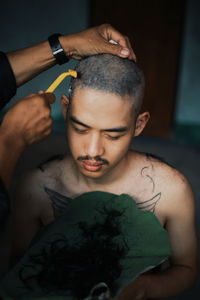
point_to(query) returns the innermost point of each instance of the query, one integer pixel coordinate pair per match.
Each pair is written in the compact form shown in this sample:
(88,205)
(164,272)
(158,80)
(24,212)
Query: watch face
(57,49)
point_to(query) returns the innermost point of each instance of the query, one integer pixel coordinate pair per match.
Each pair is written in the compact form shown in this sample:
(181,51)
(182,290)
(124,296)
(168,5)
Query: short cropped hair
(112,74)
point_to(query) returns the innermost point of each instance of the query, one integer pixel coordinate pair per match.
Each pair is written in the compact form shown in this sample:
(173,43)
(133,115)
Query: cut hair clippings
(59,79)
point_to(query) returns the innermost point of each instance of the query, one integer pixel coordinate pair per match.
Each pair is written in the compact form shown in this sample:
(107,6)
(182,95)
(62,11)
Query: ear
(141,122)
(64,105)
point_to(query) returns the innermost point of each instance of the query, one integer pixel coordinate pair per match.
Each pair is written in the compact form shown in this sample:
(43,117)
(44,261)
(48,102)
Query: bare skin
(27,122)
(103,130)
(159,186)
(29,62)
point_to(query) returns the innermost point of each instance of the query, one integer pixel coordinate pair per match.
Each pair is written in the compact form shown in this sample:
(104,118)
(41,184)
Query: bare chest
(143,187)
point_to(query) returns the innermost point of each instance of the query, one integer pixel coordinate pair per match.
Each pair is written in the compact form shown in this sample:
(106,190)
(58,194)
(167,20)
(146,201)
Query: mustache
(96,158)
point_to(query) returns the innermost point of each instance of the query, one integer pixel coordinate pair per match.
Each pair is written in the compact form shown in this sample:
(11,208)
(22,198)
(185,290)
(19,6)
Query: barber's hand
(96,40)
(29,120)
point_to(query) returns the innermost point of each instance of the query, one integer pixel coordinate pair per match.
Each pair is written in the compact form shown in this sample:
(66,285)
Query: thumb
(117,49)
(49,97)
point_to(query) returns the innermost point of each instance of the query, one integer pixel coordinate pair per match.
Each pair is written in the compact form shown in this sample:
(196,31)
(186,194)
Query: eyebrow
(116,129)
(75,120)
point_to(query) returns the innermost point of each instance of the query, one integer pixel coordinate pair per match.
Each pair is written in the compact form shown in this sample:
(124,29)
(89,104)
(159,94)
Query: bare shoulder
(171,179)
(175,187)
(160,187)
(31,186)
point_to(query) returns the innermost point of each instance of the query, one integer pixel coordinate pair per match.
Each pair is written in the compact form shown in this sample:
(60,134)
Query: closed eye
(114,137)
(81,131)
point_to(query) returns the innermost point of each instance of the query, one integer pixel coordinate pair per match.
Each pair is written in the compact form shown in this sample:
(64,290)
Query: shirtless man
(102,113)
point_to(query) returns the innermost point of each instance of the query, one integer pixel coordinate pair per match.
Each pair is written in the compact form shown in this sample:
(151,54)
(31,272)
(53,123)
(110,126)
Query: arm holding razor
(29,120)
(29,62)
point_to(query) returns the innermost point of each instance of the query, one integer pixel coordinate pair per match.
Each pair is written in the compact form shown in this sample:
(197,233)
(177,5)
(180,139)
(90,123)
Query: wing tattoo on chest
(59,202)
(149,204)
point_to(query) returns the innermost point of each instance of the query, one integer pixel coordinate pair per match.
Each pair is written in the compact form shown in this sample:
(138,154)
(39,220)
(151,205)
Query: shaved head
(112,74)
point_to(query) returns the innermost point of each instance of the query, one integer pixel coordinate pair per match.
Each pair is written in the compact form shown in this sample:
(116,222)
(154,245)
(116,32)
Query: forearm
(169,283)
(29,62)
(10,150)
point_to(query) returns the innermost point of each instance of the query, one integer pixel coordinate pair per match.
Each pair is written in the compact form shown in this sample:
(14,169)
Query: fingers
(30,118)
(123,47)
(40,92)
(132,54)
(118,50)
(49,97)
(96,40)
(124,52)
(64,105)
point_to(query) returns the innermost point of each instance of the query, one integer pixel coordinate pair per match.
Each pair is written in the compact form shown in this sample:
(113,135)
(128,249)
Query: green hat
(102,242)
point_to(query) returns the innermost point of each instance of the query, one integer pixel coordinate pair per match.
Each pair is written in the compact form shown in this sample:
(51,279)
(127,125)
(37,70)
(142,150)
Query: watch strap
(57,49)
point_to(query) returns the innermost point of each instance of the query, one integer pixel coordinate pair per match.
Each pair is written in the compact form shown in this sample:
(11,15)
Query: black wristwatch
(57,49)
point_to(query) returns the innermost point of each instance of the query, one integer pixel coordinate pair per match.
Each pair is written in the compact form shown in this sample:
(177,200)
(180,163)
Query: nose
(94,146)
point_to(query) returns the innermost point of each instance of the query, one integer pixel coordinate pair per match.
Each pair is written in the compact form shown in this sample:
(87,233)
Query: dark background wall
(25,23)
(187,115)
(165,35)
(154,28)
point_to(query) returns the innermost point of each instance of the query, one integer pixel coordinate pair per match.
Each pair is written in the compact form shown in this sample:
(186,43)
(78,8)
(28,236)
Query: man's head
(103,114)
(111,74)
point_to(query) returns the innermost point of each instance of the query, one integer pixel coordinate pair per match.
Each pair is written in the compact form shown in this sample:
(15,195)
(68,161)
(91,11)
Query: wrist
(144,282)
(11,140)
(57,49)
(67,42)
(148,286)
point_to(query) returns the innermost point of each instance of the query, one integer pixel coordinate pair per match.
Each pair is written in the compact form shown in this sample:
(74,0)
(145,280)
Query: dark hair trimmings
(112,74)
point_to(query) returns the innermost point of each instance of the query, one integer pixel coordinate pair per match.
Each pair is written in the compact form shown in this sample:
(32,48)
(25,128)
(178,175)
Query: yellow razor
(59,79)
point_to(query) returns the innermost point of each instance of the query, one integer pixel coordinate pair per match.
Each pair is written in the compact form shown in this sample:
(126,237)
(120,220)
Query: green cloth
(144,240)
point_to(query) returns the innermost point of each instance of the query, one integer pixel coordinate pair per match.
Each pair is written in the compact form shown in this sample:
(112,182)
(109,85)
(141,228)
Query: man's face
(100,126)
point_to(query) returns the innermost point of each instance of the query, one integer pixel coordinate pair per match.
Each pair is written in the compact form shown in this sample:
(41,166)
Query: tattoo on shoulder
(59,202)
(144,173)
(58,157)
(147,172)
